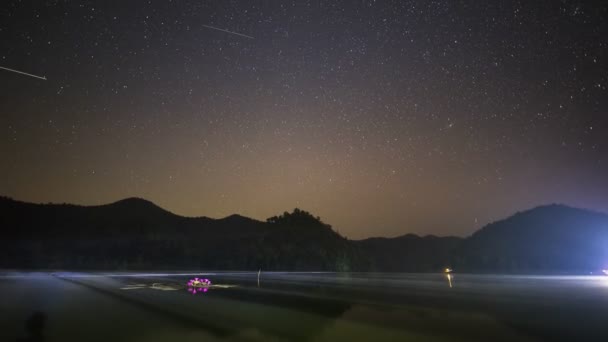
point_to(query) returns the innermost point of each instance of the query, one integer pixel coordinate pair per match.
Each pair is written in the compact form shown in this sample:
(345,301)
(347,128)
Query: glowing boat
(197,285)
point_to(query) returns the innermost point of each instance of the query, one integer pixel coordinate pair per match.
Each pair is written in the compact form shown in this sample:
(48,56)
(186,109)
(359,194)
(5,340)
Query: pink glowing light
(198,285)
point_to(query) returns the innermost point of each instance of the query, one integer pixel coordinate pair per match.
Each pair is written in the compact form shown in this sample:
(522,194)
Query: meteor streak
(24,73)
(219,29)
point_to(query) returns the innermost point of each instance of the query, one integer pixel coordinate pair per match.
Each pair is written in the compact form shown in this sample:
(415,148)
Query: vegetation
(136,234)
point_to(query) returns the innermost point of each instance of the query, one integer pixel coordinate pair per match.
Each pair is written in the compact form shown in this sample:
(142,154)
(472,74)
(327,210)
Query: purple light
(197,285)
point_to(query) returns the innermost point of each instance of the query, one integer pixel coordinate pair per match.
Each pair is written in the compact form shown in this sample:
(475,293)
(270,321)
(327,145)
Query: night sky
(382,117)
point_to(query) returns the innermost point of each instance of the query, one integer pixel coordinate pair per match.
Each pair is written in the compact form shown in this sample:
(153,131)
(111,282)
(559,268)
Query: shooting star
(24,73)
(219,29)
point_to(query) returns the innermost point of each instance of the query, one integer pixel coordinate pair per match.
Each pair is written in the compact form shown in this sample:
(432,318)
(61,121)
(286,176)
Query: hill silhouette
(553,238)
(411,253)
(136,234)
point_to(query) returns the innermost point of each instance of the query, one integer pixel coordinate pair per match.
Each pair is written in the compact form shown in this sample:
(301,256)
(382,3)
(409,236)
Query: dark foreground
(65,306)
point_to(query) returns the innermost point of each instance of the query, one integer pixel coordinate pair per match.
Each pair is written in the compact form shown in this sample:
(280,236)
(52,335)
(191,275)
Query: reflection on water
(448,274)
(194,286)
(324,306)
(154,286)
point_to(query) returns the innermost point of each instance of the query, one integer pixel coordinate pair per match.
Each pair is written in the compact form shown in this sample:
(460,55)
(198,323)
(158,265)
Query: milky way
(382,117)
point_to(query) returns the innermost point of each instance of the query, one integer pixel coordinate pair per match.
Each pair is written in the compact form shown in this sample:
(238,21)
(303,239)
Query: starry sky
(382,117)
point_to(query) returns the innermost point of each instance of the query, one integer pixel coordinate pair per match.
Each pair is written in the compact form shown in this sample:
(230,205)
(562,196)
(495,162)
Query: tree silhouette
(297,217)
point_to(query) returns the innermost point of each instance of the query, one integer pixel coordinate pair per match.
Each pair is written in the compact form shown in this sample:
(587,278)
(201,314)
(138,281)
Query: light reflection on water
(193,286)
(355,306)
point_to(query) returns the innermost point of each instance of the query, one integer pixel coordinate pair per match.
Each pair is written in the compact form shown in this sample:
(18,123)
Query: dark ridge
(134,201)
(137,234)
(135,206)
(549,238)
(236,218)
(409,253)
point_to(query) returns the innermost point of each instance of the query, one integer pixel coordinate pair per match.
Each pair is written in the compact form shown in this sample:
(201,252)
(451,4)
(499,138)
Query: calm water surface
(272,306)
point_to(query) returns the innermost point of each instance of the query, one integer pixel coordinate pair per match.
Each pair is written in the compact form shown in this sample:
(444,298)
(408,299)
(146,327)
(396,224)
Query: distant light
(447,270)
(605,272)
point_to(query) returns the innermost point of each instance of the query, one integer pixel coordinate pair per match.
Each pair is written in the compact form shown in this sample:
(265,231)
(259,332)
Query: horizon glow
(382,118)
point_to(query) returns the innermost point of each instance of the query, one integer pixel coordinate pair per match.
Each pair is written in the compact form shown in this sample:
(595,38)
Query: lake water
(275,306)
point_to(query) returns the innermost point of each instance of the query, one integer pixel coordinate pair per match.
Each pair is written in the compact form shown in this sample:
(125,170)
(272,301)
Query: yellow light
(447,270)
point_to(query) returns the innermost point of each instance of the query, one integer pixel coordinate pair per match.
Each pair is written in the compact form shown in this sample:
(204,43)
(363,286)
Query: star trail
(382,117)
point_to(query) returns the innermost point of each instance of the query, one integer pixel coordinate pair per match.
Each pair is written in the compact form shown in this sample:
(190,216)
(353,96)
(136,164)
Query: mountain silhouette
(137,234)
(409,252)
(552,238)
